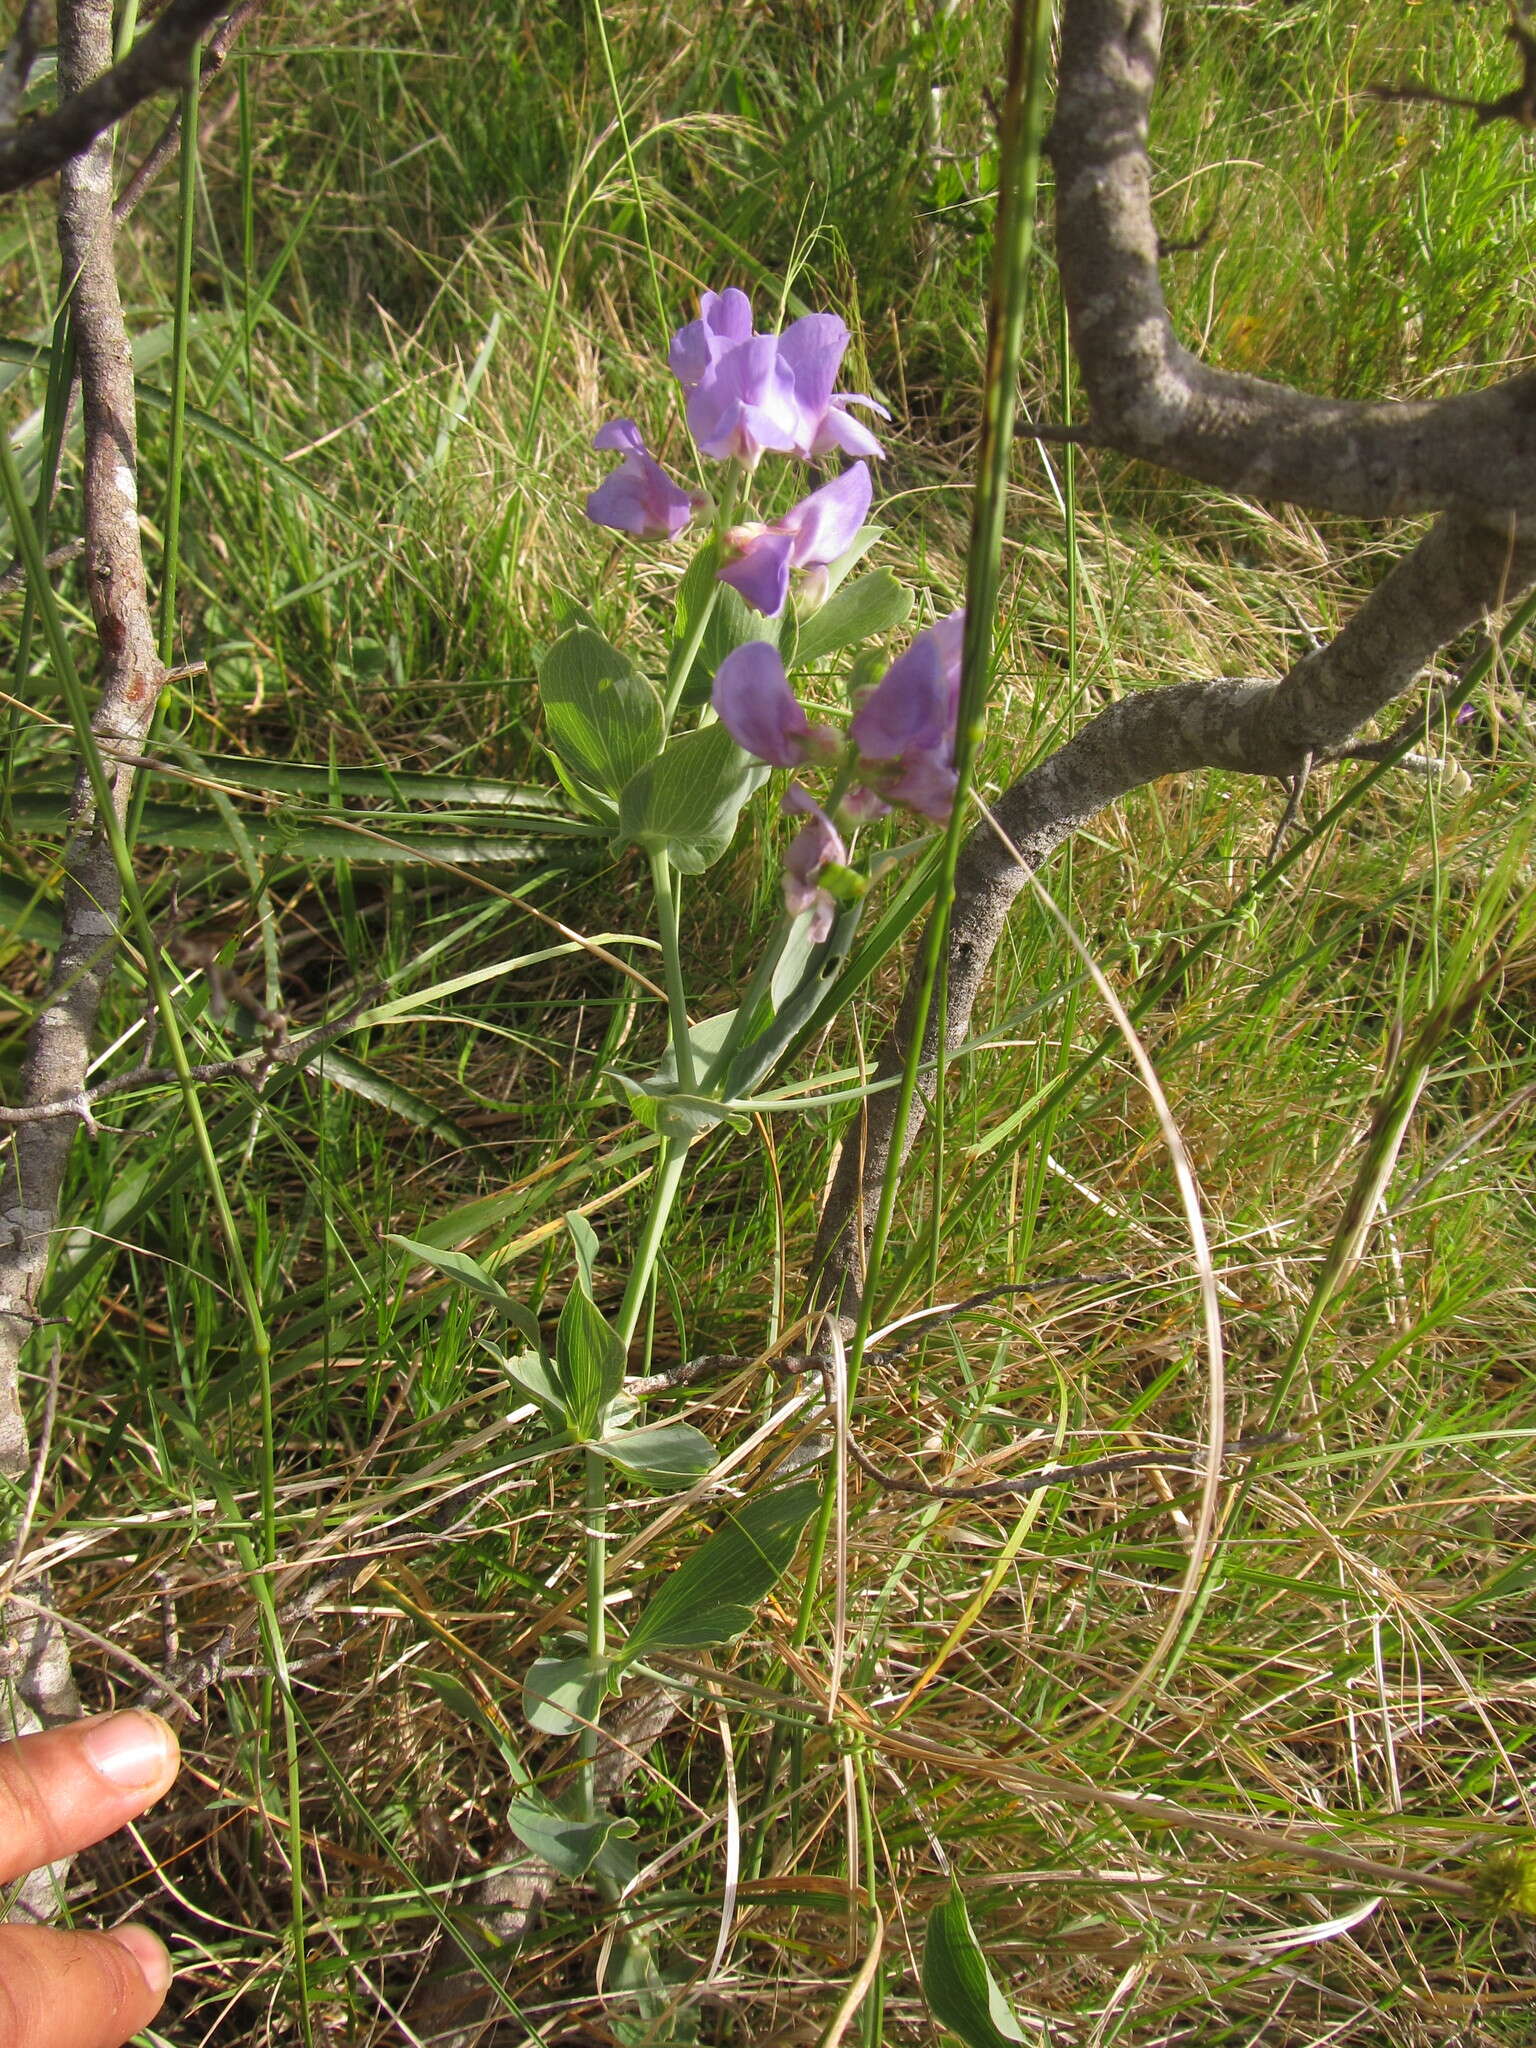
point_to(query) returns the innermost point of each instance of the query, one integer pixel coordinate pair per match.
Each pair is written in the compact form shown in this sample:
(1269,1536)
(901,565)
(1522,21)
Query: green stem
(668,889)
(1019,154)
(687,653)
(595,1507)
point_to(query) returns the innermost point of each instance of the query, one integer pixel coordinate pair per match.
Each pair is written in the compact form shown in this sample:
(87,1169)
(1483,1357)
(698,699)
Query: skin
(63,1989)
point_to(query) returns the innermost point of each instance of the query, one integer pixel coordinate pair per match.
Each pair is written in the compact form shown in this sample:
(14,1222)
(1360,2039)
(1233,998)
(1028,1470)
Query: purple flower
(905,728)
(813,350)
(755,704)
(810,536)
(725,319)
(748,393)
(639,497)
(816,845)
(860,806)
(745,404)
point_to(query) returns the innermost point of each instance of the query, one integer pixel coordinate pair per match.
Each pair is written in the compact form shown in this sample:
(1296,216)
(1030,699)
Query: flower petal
(839,429)
(761,572)
(816,843)
(725,318)
(622,436)
(906,709)
(825,524)
(926,784)
(755,704)
(745,403)
(639,497)
(813,349)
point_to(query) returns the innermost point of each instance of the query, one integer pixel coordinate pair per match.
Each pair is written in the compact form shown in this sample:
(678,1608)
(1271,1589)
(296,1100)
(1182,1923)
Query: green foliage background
(423,277)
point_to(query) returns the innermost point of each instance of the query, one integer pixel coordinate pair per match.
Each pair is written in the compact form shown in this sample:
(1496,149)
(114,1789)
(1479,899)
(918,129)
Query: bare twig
(1518,106)
(220,43)
(16,64)
(1295,791)
(156,63)
(15,577)
(276,1051)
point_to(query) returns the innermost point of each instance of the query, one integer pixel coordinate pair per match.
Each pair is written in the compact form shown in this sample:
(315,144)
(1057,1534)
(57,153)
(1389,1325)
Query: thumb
(60,1990)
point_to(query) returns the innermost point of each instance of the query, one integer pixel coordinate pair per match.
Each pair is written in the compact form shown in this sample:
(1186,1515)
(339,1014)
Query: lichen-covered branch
(1462,570)
(1149,397)
(59,1043)
(156,63)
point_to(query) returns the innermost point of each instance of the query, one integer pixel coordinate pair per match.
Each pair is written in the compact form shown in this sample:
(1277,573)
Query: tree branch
(156,63)
(1460,571)
(59,1042)
(275,1051)
(1149,397)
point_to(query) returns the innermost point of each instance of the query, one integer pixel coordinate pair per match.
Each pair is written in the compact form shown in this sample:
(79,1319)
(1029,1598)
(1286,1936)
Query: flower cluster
(899,749)
(748,395)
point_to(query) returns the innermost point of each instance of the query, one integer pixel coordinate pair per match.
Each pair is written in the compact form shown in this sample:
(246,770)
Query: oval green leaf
(713,1594)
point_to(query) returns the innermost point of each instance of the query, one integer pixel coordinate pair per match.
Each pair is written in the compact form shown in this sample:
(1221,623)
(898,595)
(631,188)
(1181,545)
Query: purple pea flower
(813,350)
(639,497)
(816,845)
(749,393)
(745,404)
(810,536)
(755,704)
(725,320)
(905,728)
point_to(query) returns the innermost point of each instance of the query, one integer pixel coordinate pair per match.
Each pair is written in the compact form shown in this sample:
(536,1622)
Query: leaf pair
(579,1387)
(680,797)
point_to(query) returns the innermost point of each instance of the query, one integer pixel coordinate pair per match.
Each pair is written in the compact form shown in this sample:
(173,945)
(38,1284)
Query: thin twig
(1029,1483)
(156,63)
(1296,789)
(214,56)
(16,64)
(256,1064)
(1518,105)
(14,578)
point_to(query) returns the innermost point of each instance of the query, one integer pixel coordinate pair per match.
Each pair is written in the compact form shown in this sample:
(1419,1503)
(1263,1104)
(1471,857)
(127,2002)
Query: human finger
(68,1787)
(66,1990)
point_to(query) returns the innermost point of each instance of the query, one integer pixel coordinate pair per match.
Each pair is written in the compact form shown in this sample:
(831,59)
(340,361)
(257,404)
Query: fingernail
(131,1751)
(148,1952)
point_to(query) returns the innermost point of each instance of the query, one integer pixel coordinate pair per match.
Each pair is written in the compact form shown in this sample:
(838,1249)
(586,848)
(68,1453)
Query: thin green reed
(1019,154)
(175,457)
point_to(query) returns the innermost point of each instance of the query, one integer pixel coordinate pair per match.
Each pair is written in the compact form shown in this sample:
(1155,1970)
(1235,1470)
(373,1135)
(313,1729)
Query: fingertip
(148,1951)
(134,1751)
